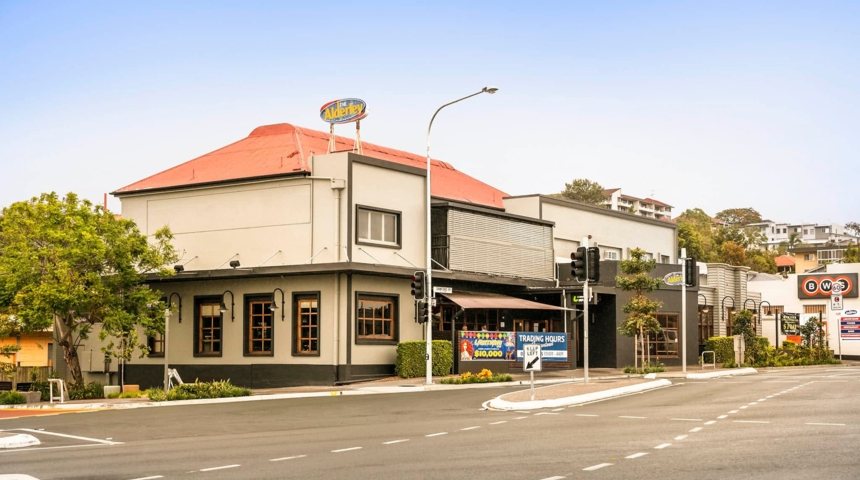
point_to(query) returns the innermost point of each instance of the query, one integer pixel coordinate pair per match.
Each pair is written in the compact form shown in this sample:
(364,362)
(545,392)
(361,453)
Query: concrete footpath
(552,389)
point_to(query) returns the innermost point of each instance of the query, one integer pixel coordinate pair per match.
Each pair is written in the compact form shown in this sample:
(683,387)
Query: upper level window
(376,226)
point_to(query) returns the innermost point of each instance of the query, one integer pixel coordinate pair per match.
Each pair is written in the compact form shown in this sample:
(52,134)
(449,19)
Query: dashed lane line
(710,422)
(826,424)
(586,415)
(348,449)
(553,478)
(681,437)
(636,455)
(153,477)
(393,442)
(696,430)
(596,467)
(466,429)
(520,418)
(721,417)
(632,417)
(750,421)
(436,434)
(282,459)
(662,446)
(686,419)
(499,422)
(222,467)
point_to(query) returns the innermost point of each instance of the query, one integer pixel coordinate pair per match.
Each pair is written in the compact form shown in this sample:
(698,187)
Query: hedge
(723,347)
(410,361)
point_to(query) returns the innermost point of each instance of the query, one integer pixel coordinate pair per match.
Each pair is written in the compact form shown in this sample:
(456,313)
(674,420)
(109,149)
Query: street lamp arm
(490,90)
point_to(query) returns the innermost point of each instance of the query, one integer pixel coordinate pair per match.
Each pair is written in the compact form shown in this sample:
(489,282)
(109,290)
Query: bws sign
(821,286)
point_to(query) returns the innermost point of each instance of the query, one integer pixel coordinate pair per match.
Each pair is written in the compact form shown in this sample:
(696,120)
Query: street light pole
(428,275)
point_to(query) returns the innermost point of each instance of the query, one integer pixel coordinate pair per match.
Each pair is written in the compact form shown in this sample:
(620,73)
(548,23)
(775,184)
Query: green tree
(744,324)
(761,260)
(584,190)
(738,217)
(70,264)
(9,327)
(854,228)
(641,310)
(696,234)
(852,254)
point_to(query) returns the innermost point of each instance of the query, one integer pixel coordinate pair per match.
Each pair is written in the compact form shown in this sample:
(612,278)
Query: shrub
(12,398)
(410,361)
(156,394)
(41,386)
(484,376)
(87,391)
(196,390)
(723,347)
(135,394)
(651,368)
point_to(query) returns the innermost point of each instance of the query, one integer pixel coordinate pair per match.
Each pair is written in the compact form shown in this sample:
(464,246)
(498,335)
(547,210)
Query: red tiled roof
(284,149)
(784,261)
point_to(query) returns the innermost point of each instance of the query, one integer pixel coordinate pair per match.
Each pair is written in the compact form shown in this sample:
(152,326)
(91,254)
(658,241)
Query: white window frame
(367,215)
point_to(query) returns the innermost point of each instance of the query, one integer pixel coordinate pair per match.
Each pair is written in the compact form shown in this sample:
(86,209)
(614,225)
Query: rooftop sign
(343,111)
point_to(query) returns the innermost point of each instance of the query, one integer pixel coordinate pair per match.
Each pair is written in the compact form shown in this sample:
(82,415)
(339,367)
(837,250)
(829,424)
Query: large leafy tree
(738,217)
(696,231)
(584,190)
(71,264)
(641,310)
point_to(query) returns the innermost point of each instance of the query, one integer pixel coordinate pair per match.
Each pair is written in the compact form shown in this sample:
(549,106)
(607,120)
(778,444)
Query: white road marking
(733,411)
(745,406)
(350,449)
(469,428)
(596,467)
(286,458)
(222,467)
(697,429)
(586,415)
(553,478)
(722,417)
(499,422)
(75,437)
(392,442)
(558,409)
(680,437)
(762,399)
(520,418)
(662,446)
(436,434)
(636,455)
(710,422)
(686,419)
(149,478)
(545,413)
(827,424)
(750,421)
(632,417)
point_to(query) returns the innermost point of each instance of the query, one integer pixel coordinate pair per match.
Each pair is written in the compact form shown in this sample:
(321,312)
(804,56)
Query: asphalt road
(786,424)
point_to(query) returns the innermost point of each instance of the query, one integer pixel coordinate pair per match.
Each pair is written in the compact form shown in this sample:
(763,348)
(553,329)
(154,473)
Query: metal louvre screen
(488,244)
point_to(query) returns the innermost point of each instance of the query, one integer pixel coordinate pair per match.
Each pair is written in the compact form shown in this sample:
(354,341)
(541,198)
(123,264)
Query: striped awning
(495,300)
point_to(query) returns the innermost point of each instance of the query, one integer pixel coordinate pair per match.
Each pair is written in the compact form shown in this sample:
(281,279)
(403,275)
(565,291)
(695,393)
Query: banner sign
(790,324)
(553,345)
(486,345)
(821,285)
(849,328)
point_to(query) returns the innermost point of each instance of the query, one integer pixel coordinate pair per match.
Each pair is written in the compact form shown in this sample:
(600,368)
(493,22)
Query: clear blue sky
(699,104)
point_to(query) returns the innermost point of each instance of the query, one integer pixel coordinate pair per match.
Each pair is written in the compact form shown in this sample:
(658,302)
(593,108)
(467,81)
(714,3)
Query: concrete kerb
(499,404)
(722,373)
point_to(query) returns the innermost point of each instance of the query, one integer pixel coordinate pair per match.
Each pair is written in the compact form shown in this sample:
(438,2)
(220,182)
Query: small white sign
(836,303)
(531,358)
(442,290)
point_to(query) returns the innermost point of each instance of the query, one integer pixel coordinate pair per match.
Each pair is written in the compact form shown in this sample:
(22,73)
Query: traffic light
(418,285)
(690,271)
(422,312)
(578,263)
(593,262)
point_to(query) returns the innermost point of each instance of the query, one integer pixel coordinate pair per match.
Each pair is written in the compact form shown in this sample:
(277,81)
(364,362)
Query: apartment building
(644,207)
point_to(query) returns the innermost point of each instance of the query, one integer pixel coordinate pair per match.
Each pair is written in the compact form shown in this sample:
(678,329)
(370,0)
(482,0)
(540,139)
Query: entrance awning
(496,301)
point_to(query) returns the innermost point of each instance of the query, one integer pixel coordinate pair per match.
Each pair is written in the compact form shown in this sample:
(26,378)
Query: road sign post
(532,363)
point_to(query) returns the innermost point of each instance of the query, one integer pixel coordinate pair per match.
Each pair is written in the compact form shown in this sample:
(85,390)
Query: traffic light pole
(586,299)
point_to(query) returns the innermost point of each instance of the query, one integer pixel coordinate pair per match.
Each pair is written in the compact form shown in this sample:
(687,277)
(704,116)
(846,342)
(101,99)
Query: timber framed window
(306,323)
(665,343)
(155,343)
(259,326)
(376,318)
(207,327)
(376,226)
